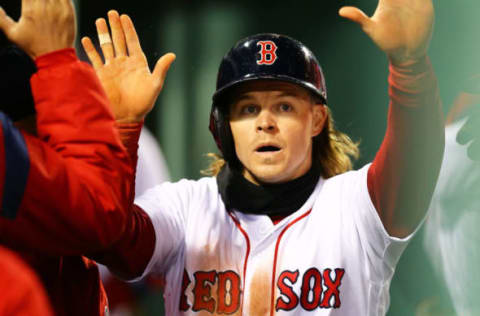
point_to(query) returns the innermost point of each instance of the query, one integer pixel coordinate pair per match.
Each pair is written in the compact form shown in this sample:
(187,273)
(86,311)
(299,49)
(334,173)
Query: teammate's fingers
(161,68)
(117,33)
(473,151)
(104,39)
(6,23)
(464,135)
(133,43)
(356,15)
(92,53)
(470,130)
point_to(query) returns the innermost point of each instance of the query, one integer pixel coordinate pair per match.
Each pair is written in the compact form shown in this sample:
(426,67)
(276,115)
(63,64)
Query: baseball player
(54,201)
(284,228)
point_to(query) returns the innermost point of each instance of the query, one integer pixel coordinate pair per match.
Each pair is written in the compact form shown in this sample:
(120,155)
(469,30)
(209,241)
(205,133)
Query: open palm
(400,28)
(130,86)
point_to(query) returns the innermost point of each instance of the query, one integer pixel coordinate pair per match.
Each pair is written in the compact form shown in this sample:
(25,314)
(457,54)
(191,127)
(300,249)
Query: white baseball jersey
(331,257)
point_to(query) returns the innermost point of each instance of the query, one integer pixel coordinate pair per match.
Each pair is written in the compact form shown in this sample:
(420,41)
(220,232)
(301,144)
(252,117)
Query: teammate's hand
(43,27)
(401,28)
(470,132)
(125,76)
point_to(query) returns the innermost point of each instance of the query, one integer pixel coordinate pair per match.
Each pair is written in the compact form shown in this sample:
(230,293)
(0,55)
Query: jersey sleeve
(167,206)
(154,235)
(380,246)
(403,174)
(65,191)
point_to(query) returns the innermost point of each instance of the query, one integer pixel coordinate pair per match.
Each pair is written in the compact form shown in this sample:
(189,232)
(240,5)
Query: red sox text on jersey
(319,289)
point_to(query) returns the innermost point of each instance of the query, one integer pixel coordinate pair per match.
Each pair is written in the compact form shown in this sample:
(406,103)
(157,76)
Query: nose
(266,122)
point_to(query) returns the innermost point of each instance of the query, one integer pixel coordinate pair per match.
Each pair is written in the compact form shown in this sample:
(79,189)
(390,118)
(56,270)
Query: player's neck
(268,199)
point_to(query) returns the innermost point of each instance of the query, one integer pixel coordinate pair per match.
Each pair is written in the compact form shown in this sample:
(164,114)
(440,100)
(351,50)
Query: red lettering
(315,289)
(228,292)
(332,288)
(183,299)
(202,291)
(267,52)
(287,291)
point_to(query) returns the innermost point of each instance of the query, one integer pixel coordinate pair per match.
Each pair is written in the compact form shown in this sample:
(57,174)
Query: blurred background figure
(452,235)
(441,262)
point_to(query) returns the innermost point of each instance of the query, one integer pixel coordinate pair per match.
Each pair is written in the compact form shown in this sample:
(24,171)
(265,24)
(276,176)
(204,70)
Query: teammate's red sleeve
(128,257)
(65,191)
(22,292)
(138,237)
(402,177)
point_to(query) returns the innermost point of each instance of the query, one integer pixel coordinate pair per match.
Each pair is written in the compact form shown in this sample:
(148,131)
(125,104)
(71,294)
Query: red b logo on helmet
(267,52)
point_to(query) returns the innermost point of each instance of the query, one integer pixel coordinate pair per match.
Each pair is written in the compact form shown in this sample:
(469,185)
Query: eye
(249,109)
(285,107)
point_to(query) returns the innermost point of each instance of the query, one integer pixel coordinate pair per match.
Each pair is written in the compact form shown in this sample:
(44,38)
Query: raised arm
(402,177)
(132,90)
(63,192)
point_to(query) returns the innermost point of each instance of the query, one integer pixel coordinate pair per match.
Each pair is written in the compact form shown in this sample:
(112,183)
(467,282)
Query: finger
(104,39)
(92,53)
(117,33)
(468,131)
(356,15)
(133,43)
(464,136)
(6,23)
(473,151)
(161,68)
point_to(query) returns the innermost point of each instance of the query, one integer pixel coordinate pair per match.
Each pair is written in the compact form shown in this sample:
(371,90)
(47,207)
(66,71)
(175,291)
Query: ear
(320,115)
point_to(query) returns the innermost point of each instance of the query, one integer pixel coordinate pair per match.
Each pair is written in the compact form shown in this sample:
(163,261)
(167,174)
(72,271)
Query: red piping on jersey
(272,306)
(237,223)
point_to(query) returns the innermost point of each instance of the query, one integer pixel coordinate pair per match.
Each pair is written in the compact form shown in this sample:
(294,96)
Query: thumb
(356,15)
(6,23)
(161,68)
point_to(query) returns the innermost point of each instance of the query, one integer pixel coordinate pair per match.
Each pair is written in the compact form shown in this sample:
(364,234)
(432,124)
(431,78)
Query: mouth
(268,149)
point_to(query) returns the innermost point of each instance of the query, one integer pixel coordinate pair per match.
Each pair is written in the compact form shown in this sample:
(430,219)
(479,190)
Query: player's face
(273,124)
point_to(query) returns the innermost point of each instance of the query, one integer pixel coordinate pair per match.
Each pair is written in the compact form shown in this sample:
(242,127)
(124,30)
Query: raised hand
(43,27)
(125,75)
(400,28)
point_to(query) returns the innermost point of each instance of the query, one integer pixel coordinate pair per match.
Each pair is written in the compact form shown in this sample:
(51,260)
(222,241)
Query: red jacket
(22,292)
(62,193)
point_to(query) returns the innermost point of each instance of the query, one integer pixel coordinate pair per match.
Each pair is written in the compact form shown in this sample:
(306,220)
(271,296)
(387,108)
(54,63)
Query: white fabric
(151,165)
(343,231)
(452,237)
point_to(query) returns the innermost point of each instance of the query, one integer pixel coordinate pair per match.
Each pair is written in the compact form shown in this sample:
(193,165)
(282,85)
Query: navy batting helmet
(262,56)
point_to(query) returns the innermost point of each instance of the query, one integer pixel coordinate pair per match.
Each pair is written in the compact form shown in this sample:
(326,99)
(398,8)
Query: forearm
(402,177)
(129,136)
(129,256)
(139,235)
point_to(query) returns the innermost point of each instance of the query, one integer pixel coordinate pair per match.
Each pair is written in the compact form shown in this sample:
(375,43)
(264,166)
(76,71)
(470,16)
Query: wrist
(411,66)
(55,58)
(418,63)
(130,120)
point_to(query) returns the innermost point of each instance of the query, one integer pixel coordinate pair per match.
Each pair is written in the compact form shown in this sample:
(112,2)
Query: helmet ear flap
(220,129)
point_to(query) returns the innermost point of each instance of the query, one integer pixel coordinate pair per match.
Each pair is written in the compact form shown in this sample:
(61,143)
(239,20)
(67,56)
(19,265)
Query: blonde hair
(333,152)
